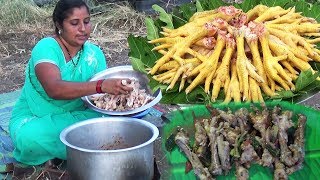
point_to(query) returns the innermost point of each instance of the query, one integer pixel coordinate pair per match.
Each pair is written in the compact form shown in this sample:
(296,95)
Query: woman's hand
(116,86)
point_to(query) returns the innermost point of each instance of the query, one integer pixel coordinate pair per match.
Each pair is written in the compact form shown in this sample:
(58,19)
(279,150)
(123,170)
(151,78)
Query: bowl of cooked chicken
(137,103)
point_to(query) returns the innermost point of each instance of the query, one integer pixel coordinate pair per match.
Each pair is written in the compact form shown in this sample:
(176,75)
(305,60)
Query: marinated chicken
(123,102)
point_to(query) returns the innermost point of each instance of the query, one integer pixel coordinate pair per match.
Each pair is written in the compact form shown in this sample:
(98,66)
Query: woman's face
(77,27)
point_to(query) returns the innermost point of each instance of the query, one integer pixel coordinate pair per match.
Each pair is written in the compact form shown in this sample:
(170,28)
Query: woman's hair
(63,9)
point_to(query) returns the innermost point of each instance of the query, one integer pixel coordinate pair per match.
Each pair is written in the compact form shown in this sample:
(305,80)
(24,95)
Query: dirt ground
(15,48)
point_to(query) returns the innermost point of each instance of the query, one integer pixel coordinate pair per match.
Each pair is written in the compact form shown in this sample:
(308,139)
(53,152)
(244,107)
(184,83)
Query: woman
(56,77)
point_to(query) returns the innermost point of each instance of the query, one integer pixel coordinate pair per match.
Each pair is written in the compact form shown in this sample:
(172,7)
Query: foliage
(143,58)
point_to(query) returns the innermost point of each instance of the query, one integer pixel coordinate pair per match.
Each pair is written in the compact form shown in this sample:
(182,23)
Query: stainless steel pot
(86,142)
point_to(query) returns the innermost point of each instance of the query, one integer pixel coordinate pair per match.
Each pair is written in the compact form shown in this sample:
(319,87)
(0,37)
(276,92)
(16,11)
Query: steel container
(125,72)
(87,158)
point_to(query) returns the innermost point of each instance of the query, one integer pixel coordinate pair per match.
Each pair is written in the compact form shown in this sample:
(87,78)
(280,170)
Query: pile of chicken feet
(261,136)
(245,55)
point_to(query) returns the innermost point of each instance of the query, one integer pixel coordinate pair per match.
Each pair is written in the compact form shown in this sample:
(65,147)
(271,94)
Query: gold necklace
(74,63)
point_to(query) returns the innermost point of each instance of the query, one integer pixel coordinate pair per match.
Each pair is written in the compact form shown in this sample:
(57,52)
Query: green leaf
(152,30)
(195,96)
(315,86)
(170,142)
(307,9)
(141,49)
(284,95)
(164,16)
(247,5)
(300,7)
(137,65)
(199,6)
(187,10)
(305,79)
(209,4)
(315,65)
(314,12)
(155,85)
(271,3)
(178,18)
(307,92)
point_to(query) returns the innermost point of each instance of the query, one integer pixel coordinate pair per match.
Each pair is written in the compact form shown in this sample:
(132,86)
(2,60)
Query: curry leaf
(170,143)
(164,16)
(152,30)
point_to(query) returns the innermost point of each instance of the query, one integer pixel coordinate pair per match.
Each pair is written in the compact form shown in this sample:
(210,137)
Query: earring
(59,32)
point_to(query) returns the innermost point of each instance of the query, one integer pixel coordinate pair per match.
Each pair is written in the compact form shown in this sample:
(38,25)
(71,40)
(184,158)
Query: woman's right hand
(115,86)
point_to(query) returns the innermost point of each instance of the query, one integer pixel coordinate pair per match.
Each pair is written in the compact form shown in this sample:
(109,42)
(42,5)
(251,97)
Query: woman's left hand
(116,86)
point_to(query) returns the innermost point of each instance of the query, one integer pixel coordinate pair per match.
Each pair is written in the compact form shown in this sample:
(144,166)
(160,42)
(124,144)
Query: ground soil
(14,50)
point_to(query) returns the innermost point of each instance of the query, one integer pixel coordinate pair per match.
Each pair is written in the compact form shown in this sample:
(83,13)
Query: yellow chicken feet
(222,77)
(233,88)
(272,67)
(250,55)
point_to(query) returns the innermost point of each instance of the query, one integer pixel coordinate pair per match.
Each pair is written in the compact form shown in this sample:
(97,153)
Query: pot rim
(153,128)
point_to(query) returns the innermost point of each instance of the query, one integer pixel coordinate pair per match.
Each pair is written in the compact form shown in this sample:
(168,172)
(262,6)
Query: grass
(111,22)
(14,13)
(23,24)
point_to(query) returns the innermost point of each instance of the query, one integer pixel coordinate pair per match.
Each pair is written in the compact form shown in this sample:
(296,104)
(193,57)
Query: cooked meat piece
(215,167)
(284,123)
(298,147)
(279,172)
(182,140)
(267,158)
(242,116)
(248,155)
(241,172)
(224,153)
(201,138)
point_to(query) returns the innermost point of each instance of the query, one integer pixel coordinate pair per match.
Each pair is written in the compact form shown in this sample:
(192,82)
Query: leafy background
(142,58)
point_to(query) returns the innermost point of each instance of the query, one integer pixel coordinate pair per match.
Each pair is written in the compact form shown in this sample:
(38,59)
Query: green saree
(37,119)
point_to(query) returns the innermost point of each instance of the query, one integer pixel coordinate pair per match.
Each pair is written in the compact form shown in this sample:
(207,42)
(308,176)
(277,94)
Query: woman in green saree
(56,77)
